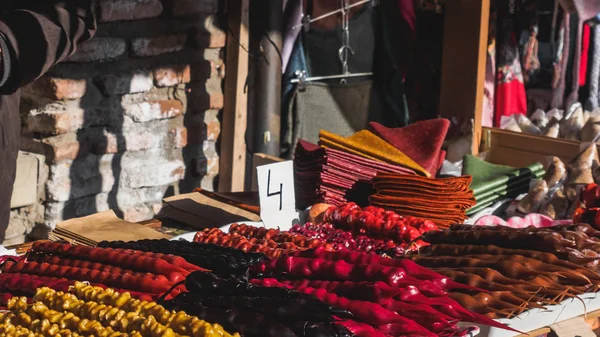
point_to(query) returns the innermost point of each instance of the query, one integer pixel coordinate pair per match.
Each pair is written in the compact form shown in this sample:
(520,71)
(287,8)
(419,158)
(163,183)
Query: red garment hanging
(510,87)
(585,49)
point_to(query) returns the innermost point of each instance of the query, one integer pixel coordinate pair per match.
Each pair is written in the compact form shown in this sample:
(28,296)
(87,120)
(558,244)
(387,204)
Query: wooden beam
(464,62)
(261,159)
(233,129)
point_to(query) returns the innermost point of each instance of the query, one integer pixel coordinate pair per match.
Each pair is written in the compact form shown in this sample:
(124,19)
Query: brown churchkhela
(500,260)
(544,239)
(514,269)
(473,250)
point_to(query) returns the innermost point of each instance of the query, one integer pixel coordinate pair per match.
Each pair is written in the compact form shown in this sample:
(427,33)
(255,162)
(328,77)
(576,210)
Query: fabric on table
(421,141)
(443,201)
(482,171)
(367,144)
(487,176)
(334,177)
(521,183)
(493,198)
(530,172)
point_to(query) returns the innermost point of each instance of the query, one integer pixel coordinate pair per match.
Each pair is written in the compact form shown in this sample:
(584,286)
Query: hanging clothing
(339,108)
(330,105)
(561,64)
(323,105)
(321,47)
(594,76)
(586,9)
(34,36)
(510,86)
(292,19)
(489,86)
(531,61)
(585,49)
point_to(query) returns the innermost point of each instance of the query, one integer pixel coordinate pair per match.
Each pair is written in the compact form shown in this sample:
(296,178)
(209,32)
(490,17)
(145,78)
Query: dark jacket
(34,36)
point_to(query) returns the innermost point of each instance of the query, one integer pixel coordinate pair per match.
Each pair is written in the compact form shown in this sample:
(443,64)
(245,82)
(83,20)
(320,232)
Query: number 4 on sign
(277,194)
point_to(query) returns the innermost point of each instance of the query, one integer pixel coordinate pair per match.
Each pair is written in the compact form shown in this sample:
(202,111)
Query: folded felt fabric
(488,176)
(450,182)
(421,141)
(491,199)
(335,177)
(366,144)
(482,171)
(443,201)
(494,188)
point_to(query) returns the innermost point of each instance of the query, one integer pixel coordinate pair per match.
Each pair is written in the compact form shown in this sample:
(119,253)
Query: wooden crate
(519,150)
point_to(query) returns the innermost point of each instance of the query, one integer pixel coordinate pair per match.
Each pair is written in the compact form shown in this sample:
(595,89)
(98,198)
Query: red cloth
(510,100)
(585,49)
(421,141)
(510,88)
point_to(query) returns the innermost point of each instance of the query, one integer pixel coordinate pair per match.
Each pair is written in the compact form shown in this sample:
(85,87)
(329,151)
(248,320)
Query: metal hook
(301,76)
(341,53)
(306,21)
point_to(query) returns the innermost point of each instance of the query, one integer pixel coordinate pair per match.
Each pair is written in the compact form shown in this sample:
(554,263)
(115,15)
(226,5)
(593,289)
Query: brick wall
(131,117)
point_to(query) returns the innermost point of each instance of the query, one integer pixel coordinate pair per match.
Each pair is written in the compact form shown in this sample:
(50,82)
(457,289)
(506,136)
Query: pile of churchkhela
(352,271)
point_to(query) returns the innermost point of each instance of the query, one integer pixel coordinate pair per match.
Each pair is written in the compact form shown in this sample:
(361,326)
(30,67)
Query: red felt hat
(421,141)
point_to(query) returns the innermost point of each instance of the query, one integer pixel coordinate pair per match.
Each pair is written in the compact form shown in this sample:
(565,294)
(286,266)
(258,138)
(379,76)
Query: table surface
(173,227)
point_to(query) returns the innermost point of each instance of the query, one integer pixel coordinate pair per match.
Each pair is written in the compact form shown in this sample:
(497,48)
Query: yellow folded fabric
(366,144)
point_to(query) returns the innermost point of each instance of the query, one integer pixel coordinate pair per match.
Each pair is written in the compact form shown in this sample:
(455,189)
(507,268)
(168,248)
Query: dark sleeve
(39,34)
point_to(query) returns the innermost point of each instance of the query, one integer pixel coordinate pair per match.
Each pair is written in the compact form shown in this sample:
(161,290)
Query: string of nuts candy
(88,310)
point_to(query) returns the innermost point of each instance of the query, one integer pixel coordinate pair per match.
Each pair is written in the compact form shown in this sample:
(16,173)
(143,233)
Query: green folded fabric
(521,182)
(488,176)
(492,199)
(481,170)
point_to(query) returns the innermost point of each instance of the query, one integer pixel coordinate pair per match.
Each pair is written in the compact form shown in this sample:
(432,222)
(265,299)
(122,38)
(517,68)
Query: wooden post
(464,62)
(232,165)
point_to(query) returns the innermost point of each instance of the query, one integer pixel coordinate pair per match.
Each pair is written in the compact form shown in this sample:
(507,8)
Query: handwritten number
(280,192)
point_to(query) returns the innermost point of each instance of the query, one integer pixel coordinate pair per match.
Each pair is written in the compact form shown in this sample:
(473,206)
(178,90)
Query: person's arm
(39,34)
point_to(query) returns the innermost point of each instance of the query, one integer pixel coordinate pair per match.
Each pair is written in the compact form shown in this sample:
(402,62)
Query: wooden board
(261,159)
(25,190)
(232,166)
(464,62)
(519,149)
(590,319)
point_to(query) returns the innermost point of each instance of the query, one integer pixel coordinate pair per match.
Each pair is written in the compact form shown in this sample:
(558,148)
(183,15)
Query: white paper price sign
(277,194)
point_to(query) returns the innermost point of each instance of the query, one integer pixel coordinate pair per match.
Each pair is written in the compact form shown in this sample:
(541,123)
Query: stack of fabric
(334,177)
(341,169)
(421,141)
(367,145)
(492,183)
(443,201)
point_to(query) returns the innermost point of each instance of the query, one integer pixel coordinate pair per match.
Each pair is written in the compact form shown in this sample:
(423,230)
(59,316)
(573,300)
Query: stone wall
(131,118)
